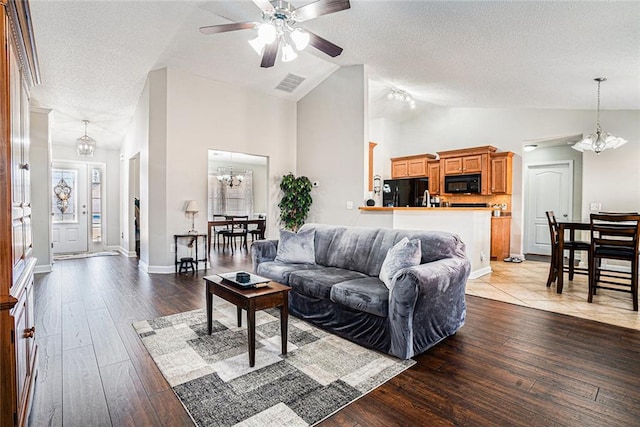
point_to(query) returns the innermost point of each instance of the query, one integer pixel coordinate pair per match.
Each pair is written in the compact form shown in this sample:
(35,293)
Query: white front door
(549,187)
(69,207)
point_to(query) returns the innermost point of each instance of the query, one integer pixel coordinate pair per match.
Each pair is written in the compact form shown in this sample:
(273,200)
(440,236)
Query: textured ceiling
(95,55)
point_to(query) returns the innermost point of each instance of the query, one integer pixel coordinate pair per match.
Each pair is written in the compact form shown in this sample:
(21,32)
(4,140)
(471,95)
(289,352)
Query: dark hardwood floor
(509,365)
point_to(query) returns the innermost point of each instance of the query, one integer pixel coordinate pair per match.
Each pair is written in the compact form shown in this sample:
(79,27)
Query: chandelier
(85,145)
(599,140)
(279,25)
(228,178)
(403,96)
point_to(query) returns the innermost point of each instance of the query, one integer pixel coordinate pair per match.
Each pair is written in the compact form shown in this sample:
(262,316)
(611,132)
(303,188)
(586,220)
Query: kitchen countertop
(383,208)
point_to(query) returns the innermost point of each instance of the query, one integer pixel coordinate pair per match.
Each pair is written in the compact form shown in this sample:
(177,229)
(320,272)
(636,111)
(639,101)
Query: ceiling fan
(279,29)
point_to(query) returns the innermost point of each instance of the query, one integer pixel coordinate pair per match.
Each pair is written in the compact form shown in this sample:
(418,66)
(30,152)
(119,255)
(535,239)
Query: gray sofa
(342,293)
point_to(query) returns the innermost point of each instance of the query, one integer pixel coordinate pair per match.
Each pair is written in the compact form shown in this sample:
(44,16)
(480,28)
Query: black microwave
(456,184)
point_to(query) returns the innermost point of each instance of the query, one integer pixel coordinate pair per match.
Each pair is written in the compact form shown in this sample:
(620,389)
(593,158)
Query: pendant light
(85,145)
(599,140)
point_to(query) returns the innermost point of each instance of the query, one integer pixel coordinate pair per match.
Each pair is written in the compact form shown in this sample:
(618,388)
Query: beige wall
(40,159)
(199,115)
(332,145)
(135,142)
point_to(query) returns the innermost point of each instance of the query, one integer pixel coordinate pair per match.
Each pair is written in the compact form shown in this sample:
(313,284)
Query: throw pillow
(296,248)
(405,253)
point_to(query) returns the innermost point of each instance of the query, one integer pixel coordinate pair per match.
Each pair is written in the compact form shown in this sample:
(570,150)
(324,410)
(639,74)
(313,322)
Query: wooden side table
(195,237)
(252,299)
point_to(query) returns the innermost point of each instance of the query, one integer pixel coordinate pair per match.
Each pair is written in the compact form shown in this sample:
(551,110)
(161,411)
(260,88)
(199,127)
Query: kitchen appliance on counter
(405,192)
(462,184)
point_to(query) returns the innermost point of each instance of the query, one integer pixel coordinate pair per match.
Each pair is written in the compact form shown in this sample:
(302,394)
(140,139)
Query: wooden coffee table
(271,296)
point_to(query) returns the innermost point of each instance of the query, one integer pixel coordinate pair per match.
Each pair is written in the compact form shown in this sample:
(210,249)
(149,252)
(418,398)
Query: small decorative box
(242,277)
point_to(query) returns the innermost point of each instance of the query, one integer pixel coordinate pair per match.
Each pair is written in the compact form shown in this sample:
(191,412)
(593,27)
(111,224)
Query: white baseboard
(123,251)
(480,272)
(160,269)
(41,269)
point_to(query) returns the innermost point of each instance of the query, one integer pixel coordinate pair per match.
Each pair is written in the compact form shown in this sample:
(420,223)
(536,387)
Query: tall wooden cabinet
(18,352)
(433,172)
(501,172)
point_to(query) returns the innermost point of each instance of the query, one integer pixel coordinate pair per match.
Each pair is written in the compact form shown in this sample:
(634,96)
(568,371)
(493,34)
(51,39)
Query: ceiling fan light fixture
(300,38)
(288,54)
(267,33)
(257,44)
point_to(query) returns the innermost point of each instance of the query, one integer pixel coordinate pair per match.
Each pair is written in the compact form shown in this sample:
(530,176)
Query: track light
(402,96)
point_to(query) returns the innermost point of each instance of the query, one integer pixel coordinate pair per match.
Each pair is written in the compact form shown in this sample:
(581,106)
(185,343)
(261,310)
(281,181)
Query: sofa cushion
(405,253)
(364,249)
(368,294)
(296,248)
(280,272)
(317,282)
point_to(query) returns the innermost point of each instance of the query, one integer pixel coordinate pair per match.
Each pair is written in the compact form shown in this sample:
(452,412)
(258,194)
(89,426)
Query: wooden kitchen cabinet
(433,172)
(500,237)
(410,166)
(463,165)
(465,161)
(501,173)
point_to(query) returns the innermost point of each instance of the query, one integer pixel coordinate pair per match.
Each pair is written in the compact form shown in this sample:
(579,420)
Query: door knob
(29,333)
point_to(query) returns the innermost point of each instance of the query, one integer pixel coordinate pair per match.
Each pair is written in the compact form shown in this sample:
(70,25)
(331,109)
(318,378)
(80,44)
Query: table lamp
(192,208)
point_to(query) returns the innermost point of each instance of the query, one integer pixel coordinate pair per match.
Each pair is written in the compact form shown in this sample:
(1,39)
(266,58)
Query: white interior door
(69,207)
(549,187)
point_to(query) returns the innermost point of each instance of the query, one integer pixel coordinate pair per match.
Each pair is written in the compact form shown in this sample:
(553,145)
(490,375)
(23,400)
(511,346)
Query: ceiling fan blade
(269,54)
(324,45)
(319,8)
(223,28)
(265,5)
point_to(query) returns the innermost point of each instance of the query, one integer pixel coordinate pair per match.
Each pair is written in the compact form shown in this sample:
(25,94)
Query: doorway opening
(134,206)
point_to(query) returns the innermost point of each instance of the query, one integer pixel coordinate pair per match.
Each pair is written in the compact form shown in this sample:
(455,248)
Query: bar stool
(187,263)
(557,263)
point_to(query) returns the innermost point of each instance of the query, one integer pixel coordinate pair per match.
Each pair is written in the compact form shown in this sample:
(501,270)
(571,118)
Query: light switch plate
(349,204)
(595,206)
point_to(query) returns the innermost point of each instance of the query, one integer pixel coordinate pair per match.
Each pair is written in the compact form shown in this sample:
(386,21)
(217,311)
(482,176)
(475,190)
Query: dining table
(260,222)
(571,226)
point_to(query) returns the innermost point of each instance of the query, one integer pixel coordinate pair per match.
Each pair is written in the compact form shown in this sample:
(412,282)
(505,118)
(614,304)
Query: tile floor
(524,284)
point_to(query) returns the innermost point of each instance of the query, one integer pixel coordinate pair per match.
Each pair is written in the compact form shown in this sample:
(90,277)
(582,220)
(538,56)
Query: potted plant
(296,201)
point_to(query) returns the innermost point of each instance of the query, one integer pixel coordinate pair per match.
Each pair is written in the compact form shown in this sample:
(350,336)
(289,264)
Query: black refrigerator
(404,192)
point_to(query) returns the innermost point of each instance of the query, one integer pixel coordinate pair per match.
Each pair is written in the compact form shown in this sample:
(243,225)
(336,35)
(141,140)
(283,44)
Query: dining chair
(237,228)
(614,237)
(216,230)
(557,259)
(258,232)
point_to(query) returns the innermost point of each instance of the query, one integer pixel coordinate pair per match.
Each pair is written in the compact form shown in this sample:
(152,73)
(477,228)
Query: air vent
(290,83)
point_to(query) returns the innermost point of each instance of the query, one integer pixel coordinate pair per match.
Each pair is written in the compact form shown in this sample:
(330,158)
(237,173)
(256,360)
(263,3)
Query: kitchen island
(473,225)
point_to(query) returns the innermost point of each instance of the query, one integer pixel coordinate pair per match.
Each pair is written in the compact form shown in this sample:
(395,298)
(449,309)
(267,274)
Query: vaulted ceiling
(95,55)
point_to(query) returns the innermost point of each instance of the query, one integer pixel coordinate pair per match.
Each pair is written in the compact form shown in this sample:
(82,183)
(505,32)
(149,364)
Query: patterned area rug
(211,375)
